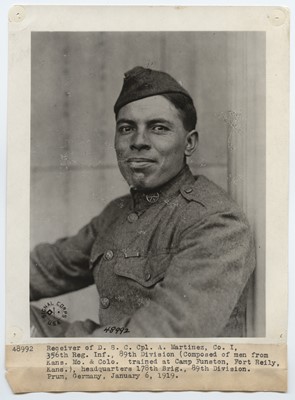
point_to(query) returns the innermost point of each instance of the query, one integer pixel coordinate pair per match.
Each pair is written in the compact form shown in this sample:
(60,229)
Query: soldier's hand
(81,328)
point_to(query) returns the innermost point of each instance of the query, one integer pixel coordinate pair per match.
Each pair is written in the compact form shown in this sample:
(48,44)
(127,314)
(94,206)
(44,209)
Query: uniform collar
(143,199)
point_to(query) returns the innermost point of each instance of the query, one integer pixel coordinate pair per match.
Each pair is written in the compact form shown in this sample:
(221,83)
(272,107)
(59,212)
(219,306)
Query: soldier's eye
(125,129)
(159,128)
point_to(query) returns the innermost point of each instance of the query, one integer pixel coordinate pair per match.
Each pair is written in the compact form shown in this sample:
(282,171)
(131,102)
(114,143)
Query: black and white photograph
(147,184)
(147,199)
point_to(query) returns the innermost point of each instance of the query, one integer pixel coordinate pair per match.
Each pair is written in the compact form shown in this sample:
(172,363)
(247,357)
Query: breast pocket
(147,271)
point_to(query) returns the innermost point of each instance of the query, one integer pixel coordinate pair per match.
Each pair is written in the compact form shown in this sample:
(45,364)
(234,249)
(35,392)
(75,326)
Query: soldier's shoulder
(207,195)
(112,210)
(118,203)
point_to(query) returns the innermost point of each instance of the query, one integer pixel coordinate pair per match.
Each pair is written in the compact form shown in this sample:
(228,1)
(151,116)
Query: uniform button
(147,276)
(132,217)
(108,255)
(105,302)
(188,190)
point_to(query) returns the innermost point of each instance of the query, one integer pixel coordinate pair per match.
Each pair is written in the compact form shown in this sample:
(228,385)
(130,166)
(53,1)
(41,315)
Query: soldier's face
(150,142)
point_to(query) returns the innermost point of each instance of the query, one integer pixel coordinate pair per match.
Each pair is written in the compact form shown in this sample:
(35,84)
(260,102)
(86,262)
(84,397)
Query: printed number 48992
(22,349)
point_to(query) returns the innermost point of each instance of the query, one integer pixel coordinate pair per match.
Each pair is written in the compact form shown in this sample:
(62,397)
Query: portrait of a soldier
(173,258)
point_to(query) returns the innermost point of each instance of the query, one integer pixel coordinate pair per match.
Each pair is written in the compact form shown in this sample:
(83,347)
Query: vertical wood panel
(199,62)
(49,114)
(246,155)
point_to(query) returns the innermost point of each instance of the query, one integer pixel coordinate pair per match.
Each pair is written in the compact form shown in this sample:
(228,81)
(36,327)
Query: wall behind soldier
(76,78)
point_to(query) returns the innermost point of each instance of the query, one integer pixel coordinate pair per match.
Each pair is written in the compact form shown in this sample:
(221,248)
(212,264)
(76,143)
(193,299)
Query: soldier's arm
(63,266)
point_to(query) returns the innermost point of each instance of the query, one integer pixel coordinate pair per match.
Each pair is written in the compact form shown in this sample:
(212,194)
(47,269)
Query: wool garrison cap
(142,82)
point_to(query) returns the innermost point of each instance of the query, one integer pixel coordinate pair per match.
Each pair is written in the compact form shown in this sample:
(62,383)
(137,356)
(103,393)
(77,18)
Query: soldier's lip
(140,163)
(140,160)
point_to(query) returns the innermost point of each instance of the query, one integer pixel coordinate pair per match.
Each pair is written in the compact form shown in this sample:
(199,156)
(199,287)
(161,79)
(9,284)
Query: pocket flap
(147,271)
(97,251)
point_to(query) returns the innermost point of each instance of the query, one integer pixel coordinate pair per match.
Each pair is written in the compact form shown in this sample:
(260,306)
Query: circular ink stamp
(54,312)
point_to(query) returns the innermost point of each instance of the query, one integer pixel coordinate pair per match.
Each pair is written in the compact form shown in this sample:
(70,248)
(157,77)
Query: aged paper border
(273,20)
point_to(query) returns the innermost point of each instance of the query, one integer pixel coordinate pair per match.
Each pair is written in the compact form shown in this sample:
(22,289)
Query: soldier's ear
(191,142)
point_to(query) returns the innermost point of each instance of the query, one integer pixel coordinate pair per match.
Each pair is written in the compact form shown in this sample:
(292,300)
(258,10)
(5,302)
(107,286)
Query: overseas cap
(142,82)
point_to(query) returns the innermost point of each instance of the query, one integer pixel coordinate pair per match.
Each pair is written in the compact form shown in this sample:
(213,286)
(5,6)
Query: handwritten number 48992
(116,330)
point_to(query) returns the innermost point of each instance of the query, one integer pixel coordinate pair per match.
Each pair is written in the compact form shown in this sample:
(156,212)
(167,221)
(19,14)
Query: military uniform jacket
(173,263)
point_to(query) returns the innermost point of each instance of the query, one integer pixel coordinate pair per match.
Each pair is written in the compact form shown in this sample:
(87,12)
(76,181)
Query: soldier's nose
(139,141)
